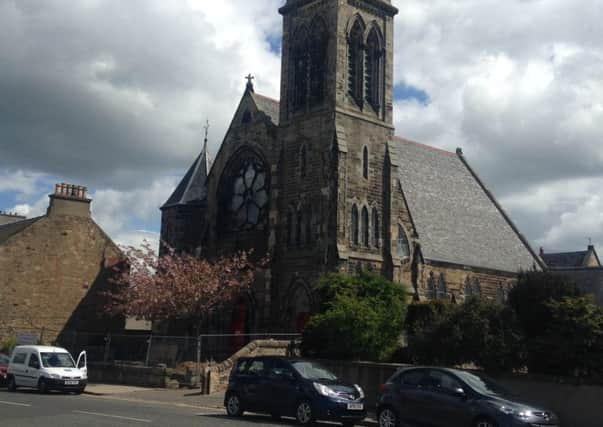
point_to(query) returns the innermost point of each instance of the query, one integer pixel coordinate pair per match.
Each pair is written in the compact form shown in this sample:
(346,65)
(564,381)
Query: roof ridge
(429,147)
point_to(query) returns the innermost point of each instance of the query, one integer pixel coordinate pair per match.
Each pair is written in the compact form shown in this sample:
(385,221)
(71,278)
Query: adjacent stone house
(53,269)
(319,182)
(582,267)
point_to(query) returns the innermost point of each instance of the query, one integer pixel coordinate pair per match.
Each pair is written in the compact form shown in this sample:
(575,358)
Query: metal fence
(171,351)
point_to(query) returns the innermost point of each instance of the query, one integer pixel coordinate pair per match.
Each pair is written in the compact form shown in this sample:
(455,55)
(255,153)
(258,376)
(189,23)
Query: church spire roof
(193,187)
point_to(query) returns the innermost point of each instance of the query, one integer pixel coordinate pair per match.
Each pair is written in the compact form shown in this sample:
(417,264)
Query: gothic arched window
(365,226)
(374,68)
(303,161)
(244,193)
(298,227)
(365,162)
(403,245)
(300,69)
(356,61)
(442,288)
(308,225)
(473,288)
(318,61)
(354,225)
(431,286)
(289,227)
(376,228)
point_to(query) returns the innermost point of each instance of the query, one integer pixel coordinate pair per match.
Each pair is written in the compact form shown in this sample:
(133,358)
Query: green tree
(361,317)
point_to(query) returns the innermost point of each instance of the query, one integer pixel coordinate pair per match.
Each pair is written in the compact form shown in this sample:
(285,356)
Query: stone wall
(51,274)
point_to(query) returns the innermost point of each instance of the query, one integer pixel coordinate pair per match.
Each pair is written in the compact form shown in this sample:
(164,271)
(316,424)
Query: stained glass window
(356,61)
(365,226)
(246,194)
(354,225)
(403,245)
(374,69)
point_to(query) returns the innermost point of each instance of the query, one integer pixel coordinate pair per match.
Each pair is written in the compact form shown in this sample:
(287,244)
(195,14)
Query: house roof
(457,218)
(9,230)
(568,259)
(192,188)
(268,106)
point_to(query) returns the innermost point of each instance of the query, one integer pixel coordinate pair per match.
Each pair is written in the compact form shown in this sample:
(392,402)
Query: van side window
(19,358)
(34,361)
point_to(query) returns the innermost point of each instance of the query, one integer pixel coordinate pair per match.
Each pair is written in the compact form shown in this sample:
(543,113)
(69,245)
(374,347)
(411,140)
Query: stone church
(320,183)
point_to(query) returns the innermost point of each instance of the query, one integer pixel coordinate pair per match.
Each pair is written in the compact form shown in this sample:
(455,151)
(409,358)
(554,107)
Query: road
(29,409)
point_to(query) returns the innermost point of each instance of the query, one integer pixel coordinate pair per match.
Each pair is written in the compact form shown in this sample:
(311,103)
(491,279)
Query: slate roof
(565,259)
(9,230)
(457,219)
(269,106)
(192,188)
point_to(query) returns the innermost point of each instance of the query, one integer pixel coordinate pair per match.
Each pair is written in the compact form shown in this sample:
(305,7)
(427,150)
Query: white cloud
(24,183)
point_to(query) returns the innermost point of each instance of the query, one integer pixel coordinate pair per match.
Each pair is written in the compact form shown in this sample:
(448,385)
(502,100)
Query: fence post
(146,363)
(198,360)
(107,347)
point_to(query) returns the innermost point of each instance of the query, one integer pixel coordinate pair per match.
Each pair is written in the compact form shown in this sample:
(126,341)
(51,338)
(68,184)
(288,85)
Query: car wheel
(304,414)
(233,405)
(12,385)
(485,422)
(388,418)
(42,386)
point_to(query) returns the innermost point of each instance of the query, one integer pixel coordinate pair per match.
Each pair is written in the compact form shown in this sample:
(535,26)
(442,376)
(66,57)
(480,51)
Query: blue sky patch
(274,40)
(403,91)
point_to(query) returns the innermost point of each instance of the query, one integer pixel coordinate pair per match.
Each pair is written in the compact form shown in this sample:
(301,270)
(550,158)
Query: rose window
(248,203)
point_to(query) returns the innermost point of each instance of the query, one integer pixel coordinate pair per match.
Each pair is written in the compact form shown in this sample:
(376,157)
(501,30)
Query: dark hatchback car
(441,397)
(292,387)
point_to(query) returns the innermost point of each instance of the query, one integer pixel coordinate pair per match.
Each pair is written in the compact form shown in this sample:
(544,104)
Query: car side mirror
(459,392)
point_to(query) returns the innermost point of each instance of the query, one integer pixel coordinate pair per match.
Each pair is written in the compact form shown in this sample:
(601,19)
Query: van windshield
(57,360)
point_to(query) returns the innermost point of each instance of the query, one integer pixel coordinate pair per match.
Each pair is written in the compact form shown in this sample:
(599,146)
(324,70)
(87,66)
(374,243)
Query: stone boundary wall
(140,376)
(218,374)
(577,404)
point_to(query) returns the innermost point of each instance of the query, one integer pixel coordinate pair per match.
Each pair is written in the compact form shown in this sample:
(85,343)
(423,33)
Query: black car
(292,387)
(441,397)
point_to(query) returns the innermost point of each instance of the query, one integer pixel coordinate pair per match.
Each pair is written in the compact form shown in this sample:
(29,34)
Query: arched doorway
(299,307)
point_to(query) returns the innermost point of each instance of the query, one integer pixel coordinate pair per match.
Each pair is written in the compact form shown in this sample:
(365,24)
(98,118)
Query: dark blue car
(442,397)
(292,387)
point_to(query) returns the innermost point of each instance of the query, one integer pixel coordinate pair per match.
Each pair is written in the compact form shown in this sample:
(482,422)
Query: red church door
(239,325)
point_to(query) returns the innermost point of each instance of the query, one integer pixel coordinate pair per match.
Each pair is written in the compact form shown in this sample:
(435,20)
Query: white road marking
(14,403)
(140,420)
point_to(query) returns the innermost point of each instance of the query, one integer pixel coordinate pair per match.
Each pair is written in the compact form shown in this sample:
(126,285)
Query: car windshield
(313,371)
(4,360)
(57,360)
(483,384)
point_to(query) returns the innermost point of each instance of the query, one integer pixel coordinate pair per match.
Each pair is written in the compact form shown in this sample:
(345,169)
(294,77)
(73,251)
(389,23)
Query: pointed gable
(457,219)
(193,187)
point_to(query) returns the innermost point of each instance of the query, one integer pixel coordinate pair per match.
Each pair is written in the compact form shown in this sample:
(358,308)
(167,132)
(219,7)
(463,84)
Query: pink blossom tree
(177,286)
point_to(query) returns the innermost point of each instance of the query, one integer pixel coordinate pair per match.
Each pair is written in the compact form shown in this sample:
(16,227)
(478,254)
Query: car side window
(19,358)
(34,361)
(443,382)
(256,367)
(412,378)
(242,367)
(280,369)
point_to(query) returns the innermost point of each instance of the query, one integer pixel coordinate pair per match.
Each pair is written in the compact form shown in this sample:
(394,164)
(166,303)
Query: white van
(47,368)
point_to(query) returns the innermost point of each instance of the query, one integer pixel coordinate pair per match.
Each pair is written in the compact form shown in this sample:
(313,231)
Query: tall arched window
(290,227)
(354,225)
(365,162)
(403,245)
(300,69)
(298,227)
(473,288)
(365,226)
(442,288)
(376,228)
(431,286)
(318,61)
(308,225)
(356,61)
(303,161)
(374,68)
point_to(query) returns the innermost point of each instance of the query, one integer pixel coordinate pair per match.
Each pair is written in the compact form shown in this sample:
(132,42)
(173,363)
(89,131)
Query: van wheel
(12,385)
(233,405)
(42,386)
(304,414)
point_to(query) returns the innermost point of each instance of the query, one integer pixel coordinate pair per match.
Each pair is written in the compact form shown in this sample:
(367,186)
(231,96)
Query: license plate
(355,406)
(72,382)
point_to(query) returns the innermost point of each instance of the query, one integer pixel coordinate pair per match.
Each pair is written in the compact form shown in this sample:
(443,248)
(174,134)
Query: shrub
(8,345)
(361,317)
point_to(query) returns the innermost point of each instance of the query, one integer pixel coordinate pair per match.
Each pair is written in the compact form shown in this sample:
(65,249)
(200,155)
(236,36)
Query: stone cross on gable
(249,79)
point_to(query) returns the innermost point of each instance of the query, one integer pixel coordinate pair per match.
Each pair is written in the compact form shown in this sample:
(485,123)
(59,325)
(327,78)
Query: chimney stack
(69,199)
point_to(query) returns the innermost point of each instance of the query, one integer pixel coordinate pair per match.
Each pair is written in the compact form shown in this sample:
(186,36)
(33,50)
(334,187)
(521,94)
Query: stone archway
(299,306)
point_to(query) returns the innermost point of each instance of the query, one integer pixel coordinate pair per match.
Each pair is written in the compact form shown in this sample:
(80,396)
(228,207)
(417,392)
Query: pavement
(112,405)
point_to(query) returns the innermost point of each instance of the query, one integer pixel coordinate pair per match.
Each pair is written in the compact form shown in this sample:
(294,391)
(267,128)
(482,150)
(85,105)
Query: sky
(114,95)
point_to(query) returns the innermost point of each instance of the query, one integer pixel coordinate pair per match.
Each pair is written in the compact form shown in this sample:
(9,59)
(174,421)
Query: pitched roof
(565,259)
(192,188)
(9,230)
(269,106)
(456,217)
